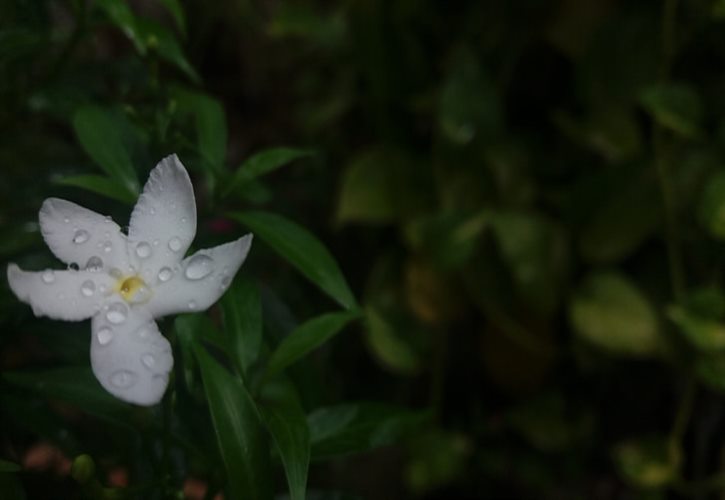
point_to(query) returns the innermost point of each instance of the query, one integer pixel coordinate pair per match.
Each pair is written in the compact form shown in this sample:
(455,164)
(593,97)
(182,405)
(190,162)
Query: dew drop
(102,288)
(123,379)
(48,277)
(66,220)
(143,332)
(175,244)
(152,211)
(73,266)
(199,267)
(183,220)
(165,274)
(88,288)
(148,360)
(143,250)
(116,313)
(94,264)
(156,243)
(107,247)
(192,305)
(81,236)
(104,336)
(225,282)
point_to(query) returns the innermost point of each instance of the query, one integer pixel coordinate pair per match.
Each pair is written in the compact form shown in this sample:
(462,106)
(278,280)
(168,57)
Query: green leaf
(98,184)
(263,163)
(535,250)
(711,207)
(177,11)
(12,487)
(651,462)
(622,223)
(382,186)
(238,430)
(97,130)
(210,123)
(287,423)
(306,337)
(301,249)
(704,333)
(121,15)
(6,466)
(160,39)
(392,350)
(357,427)
(75,385)
(710,368)
(674,106)
(469,103)
(242,311)
(612,313)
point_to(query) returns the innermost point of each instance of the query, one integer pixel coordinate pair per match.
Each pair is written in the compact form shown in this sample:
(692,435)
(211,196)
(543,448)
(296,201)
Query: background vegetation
(503,219)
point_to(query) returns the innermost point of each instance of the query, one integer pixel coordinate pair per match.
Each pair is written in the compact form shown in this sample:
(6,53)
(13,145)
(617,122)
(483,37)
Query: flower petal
(129,356)
(78,235)
(163,222)
(199,280)
(66,295)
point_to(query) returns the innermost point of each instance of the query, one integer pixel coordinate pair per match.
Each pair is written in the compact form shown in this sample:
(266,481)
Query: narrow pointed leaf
(97,131)
(287,423)
(299,247)
(100,185)
(307,337)
(238,430)
(6,466)
(242,309)
(263,163)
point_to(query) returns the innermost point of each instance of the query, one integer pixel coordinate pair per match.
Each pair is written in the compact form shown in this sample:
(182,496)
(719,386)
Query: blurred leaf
(263,163)
(121,15)
(242,310)
(75,385)
(158,38)
(700,319)
(299,20)
(390,348)
(650,462)
(547,423)
(97,131)
(469,104)
(238,430)
(99,185)
(711,207)
(612,313)
(674,106)
(6,466)
(177,11)
(448,238)
(536,251)
(287,423)
(381,186)
(357,427)
(307,337)
(301,249)
(211,125)
(15,238)
(622,222)
(437,458)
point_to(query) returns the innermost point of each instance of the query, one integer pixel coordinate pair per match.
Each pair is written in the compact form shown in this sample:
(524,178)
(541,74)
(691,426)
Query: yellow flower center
(133,289)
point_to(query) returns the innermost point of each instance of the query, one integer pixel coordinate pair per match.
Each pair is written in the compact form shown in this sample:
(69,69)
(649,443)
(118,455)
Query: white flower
(125,282)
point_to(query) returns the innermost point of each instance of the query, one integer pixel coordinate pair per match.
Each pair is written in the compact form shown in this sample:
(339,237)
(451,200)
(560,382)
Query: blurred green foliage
(488,259)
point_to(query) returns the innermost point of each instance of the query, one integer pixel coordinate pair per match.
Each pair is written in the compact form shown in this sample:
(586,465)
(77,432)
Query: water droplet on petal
(102,288)
(152,211)
(143,250)
(94,264)
(73,266)
(183,220)
(116,313)
(48,276)
(192,305)
(123,379)
(80,236)
(88,288)
(165,274)
(156,243)
(104,336)
(107,247)
(175,244)
(66,220)
(199,267)
(148,360)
